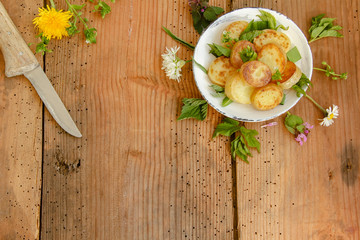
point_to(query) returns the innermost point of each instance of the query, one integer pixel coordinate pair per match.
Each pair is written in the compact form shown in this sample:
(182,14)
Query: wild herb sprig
(330,72)
(323,27)
(203,14)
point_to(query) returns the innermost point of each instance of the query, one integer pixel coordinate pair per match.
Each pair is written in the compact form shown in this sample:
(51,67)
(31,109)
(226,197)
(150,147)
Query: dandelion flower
(331,114)
(52,23)
(172,64)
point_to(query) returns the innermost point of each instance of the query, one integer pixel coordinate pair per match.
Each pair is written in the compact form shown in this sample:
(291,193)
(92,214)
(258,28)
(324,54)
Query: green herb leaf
(200,66)
(42,47)
(283,99)
(90,35)
(293,55)
(219,51)
(249,36)
(226,101)
(323,27)
(103,8)
(248,54)
(209,14)
(78,7)
(227,128)
(193,108)
(292,123)
(203,14)
(268,17)
(190,46)
(249,135)
(276,75)
(330,72)
(217,88)
(238,149)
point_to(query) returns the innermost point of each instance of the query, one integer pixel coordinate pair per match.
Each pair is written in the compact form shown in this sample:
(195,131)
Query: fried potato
(267,97)
(256,73)
(290,76)
(219,70)
(237,89)
(273,56)
(234,30)
(238,47)
(272,36)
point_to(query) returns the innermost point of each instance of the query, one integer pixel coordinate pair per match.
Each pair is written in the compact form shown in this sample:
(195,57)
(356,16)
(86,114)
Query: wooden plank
(309,192)
(20,140)
(137,173)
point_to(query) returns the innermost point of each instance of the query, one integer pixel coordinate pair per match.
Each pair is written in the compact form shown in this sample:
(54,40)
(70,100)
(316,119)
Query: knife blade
(52,101)
(20,60)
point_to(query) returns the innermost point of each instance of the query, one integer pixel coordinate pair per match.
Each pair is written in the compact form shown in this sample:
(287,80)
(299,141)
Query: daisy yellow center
(52,23)
(331,116)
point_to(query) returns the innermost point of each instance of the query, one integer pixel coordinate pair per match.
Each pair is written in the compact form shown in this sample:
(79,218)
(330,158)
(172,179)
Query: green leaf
(104,8)
(196,17)
(276,75)
(226,101)
(226,128)
(193,108)
(268,17)
(292,122)
(218,10)
(237,149)
(283,99)
(200,66)
(249,36)
(302,83)
(249,135)
(90,35)
(316,20)
(78,7)
(219,51)
(210,14)
(330,33)
(248,54)
(217,88)
(192,47)
(293,55)
(316,32)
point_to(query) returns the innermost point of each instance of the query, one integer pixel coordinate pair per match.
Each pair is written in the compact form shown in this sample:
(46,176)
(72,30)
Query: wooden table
(137,173)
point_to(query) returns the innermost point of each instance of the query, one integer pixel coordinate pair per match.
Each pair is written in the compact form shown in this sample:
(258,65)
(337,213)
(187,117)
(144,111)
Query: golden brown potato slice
(237,89)
(272,36)
(256,73)
(233,31)
(238,47)
(219,70)
(267,97)
(290,76)
(273,56)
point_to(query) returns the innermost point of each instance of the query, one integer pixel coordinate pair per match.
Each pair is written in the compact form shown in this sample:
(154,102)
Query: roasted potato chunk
(232,32)
(290,76)
(238,47)
(273,56)
(256,73)
(267,97)
(272,36)
(219,70)
(237,89)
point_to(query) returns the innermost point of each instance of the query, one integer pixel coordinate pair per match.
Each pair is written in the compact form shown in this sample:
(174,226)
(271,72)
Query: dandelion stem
(316,104)
(52,4)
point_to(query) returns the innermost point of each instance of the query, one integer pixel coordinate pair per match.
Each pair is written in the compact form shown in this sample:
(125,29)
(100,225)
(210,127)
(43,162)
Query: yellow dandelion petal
(52,23)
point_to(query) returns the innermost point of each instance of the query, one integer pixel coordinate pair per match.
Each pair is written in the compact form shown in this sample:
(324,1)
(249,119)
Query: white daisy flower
(331,114)
(172,64)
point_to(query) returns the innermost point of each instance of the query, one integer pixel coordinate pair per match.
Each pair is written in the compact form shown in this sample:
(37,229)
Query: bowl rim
(308,49)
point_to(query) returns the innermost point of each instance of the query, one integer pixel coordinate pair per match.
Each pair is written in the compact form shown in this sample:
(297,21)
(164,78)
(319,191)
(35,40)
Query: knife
(19,60)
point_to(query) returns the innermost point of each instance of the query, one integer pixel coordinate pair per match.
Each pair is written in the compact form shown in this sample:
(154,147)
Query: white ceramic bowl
(213,34)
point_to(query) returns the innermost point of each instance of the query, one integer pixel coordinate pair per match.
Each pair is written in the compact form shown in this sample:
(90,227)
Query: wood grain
(20,140)
(309,192)
(137,173)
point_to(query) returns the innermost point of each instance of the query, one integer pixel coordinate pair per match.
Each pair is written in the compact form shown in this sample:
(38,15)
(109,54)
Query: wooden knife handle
(18,57)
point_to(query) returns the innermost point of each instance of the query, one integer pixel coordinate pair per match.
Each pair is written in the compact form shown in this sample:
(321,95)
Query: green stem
(52,4)
(76,14)
(316,104)
(319,69)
